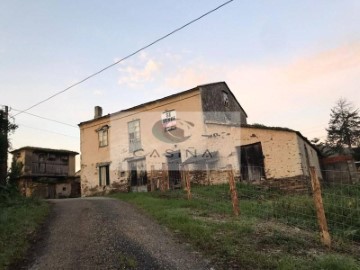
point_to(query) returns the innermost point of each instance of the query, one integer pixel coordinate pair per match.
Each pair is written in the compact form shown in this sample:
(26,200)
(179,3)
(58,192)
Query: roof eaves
(43,149)
(286,130)
(162,99)
(140,105)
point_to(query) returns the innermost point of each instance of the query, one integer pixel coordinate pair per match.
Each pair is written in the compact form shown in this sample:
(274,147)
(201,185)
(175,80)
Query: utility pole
(4,144)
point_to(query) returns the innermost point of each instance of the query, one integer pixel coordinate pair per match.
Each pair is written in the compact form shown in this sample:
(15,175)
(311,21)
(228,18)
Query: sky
(287,62)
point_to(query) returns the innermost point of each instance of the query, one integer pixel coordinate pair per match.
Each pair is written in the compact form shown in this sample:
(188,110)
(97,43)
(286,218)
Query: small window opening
(225,99)
(103,136)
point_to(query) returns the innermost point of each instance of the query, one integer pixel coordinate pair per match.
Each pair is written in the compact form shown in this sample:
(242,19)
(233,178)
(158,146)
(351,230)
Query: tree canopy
(344,125)
(6,127)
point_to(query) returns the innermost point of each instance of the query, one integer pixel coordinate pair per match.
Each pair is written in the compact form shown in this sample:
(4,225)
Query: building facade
(166,136)
(47,173)
(199,132)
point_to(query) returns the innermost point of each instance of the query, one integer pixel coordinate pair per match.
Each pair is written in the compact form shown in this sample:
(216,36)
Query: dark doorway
(51,191)
(75,189)
(174,161)
(133,174)
(138,176)
(251,162)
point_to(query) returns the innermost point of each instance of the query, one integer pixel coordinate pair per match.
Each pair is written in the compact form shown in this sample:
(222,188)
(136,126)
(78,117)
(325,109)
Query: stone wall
(295,184)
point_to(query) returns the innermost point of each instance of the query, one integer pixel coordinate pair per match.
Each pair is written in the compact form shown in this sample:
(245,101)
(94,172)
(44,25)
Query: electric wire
(126,57)
(45,118)
(46,130)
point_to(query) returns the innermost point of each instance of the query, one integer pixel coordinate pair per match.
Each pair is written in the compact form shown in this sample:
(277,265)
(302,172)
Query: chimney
(98,112)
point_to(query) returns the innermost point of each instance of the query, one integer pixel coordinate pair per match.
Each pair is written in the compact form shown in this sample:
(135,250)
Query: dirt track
(102,233)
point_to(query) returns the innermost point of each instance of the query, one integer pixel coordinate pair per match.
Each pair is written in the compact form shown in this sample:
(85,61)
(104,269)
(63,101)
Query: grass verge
(19,219)
(250,241)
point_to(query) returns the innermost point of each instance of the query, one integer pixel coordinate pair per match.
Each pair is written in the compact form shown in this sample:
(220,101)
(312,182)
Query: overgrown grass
(127,262)
(254,240)
(19,219)
(342,209)
(341,204)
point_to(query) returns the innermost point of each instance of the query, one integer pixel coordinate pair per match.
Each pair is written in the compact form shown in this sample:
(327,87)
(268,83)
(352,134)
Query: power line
(40,129)
(126,57)
(45,118)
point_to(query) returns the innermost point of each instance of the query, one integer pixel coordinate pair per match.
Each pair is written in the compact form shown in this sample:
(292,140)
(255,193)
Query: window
(225,99)
(104,178)
(103,136)
(52,157)
(134,135)
(42,157)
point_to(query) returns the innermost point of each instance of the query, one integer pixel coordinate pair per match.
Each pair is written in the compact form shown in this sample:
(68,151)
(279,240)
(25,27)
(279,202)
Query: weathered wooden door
(252,162)
(51,191)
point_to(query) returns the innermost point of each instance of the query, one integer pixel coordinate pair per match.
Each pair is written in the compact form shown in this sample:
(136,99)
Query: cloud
(314,74)
(173,57)
(133,76)
(325,63)
(301,93)
(195,72)
(187,77)
(296,94)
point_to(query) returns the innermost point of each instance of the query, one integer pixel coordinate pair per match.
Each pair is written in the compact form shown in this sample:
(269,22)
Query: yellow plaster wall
(188,108)
(280,149)
(312,155)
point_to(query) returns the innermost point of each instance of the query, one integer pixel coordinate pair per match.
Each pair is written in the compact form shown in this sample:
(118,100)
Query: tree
(6,127)
(344,125)
(324,147)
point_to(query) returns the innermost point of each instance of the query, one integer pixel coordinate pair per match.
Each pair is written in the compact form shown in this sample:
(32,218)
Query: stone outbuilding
(47,173)
(277,156)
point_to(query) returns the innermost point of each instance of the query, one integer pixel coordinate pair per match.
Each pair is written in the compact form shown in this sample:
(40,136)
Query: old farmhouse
(47,173)
(200,131)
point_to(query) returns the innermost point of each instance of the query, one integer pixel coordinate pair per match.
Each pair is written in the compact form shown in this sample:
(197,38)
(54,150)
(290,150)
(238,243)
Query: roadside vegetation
(273,231)
(20,217)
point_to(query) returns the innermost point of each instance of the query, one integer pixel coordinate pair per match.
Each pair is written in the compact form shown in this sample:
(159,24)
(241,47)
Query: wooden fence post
(152,178)
(187,184)
(320,212)
(234,196)
(164,178)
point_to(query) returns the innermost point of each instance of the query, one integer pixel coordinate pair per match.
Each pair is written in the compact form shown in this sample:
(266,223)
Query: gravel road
(103,233)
